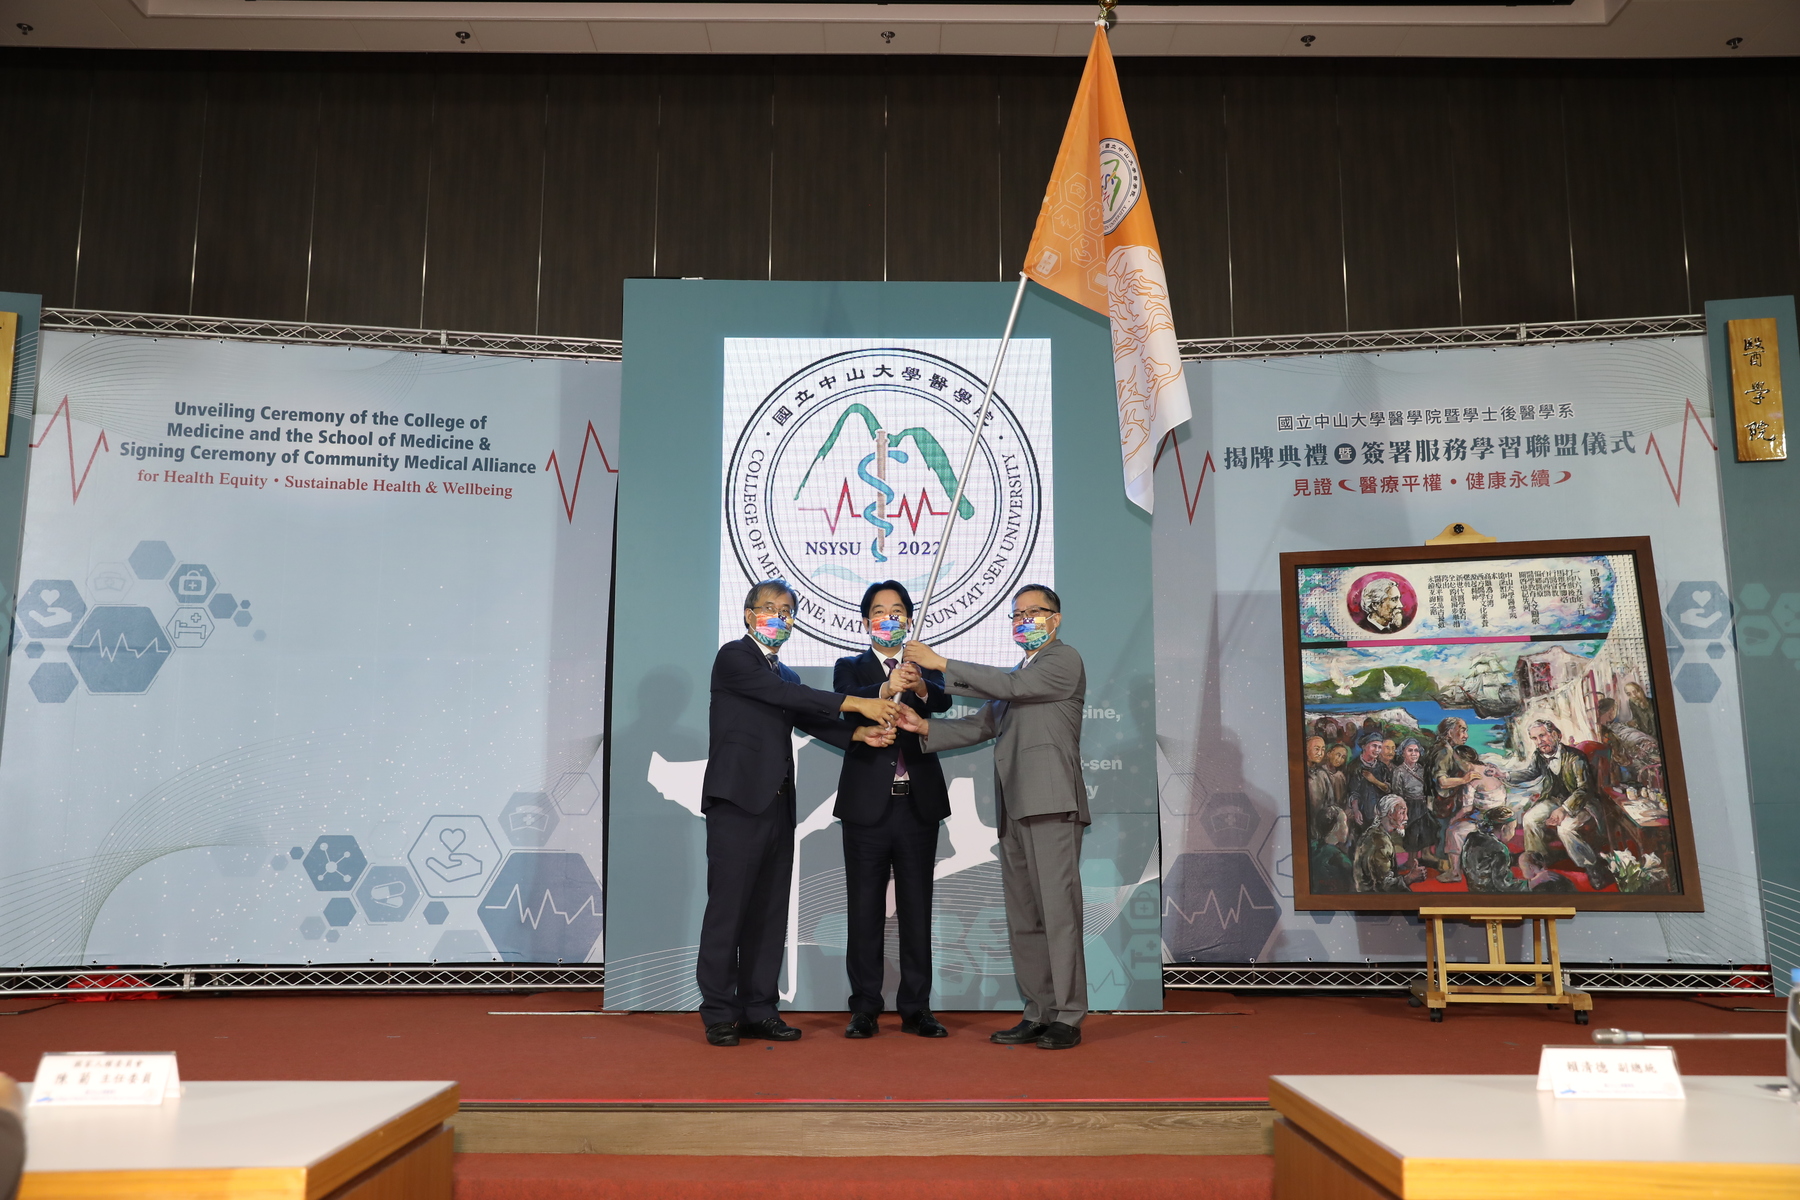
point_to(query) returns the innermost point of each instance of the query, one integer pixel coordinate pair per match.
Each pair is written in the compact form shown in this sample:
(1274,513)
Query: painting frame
(1683,894)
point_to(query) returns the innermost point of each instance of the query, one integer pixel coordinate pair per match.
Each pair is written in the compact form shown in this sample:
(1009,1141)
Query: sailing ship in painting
(1504,739)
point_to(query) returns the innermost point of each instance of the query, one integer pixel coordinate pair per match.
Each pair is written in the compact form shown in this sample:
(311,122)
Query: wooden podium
(1436,992)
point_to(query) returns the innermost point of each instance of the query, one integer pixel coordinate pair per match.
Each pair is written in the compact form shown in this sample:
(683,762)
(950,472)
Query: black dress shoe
(862,1025)
(725,1033)
(923,1024)
(1018,1035)
(774,1029)
(1058,1036)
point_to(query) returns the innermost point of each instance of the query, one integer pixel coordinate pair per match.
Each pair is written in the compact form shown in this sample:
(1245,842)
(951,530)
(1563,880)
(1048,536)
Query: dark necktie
(899,754)
(772,664)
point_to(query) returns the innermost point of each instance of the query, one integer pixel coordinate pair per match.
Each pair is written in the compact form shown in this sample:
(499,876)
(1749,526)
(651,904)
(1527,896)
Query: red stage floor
(652,1057)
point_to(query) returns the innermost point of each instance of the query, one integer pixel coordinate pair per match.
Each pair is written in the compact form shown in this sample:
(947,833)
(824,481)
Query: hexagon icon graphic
(108,583)
(387,894)
(152,560)
(1754,596)
(543,906)
(576,793)
(119,649)
(313,928)
(1786,612)
(189,628)
(51,608)
(528,819)
(52,683)
(335,863)
(1701,611)
(1697,682)
(222,605)
(34,649)
(339,911)
(435,912)
(1217,907)
(454,855)
(1230,819)
(192,583)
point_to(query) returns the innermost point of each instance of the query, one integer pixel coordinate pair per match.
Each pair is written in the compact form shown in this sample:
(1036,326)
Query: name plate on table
(94,1077)
(1610,1073)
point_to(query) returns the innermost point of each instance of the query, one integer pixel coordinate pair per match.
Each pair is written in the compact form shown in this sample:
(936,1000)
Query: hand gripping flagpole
(962,479)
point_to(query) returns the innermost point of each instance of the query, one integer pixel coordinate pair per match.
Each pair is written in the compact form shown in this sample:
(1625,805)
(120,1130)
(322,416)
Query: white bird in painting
(1343,685)
(1390,689)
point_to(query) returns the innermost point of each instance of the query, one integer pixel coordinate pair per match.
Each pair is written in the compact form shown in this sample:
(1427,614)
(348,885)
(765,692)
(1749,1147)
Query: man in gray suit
(1035,712)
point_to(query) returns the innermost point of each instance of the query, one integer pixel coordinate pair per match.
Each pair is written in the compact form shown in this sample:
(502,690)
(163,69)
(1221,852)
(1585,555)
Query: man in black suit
(890,800)
(748,801)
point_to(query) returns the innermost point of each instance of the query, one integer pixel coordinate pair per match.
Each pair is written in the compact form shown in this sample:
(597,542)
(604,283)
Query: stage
(639,1105)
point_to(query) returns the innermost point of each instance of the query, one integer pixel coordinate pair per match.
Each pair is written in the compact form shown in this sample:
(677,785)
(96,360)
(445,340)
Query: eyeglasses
(770,610)
(1022,613)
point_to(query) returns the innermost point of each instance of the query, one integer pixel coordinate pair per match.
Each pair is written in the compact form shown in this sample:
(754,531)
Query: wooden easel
(1436,992)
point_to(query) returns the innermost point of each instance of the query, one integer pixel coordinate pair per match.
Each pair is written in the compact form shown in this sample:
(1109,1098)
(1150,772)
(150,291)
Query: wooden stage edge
(867,1128)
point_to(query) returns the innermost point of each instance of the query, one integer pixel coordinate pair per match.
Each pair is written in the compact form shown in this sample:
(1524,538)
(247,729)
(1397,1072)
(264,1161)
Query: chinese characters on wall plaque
(1756,389)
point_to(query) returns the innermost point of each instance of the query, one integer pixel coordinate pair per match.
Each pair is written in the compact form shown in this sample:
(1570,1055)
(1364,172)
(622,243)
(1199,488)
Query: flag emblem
(1120,183)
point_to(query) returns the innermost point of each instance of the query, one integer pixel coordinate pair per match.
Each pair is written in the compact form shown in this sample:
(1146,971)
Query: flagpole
(962,479)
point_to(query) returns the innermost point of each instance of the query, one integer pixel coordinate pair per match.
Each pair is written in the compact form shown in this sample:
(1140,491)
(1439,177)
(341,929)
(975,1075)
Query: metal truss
(543,977)
(1452,336)
(387,977)
(1370,977)
(442,341)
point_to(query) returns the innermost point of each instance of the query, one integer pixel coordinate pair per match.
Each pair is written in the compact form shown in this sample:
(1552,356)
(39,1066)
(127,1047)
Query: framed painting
(1483,720)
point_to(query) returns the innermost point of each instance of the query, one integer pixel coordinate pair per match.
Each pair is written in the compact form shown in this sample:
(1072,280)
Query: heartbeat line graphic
(1192,501)
(119,647)
(1227,917)
(569,497)
(528,916)
(1681,455)
(909,512)
(75,485)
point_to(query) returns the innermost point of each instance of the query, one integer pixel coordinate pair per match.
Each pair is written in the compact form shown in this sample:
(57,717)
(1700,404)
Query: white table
(1496,1137)
(293,1140)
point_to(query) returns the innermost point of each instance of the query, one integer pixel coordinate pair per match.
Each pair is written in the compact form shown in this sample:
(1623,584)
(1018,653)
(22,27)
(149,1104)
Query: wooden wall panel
(46,110)
(1034,100)
(712,193)
(256,191)
(599,192)
(943,177)
(1178,121)
(1287,247)
(485,216)
(1512,197)
(1739,150)
(1625,195)
(1399,202)
(144,163)
(368,244)
(830,156)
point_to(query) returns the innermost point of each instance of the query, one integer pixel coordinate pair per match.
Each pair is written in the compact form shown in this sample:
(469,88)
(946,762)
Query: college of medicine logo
(844,475)
(1121,183)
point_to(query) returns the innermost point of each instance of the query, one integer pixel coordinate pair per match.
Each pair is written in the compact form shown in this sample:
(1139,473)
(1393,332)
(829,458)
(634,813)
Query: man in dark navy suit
(748,801)
(890,801)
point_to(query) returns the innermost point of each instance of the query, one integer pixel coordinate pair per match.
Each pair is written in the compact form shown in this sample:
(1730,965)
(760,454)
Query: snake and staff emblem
(887,447)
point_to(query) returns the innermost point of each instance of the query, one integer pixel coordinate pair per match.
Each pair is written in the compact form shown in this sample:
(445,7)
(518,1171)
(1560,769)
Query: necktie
(772,665)
(899,754)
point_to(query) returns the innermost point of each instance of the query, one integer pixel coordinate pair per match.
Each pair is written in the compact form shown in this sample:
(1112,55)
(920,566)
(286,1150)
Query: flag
(1096,244)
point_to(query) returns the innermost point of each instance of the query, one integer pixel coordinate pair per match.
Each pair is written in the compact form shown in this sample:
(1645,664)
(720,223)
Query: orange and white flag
(1096,244)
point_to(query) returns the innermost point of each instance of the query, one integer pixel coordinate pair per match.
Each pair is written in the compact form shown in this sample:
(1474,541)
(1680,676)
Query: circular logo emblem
(844,475)
(1121,183)
(1382,602)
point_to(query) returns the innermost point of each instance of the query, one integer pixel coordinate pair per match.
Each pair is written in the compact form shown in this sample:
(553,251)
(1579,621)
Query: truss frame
(1373,977)
(1526,333)
(229,329)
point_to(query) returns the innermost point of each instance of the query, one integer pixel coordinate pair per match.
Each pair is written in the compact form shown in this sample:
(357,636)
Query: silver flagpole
(962,479)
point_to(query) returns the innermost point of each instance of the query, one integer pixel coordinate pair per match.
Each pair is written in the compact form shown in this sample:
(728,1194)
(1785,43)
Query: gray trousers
(1040,870)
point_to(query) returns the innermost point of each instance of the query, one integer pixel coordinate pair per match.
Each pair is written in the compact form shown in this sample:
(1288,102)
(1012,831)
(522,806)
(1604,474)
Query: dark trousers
(902,845)
(749,870)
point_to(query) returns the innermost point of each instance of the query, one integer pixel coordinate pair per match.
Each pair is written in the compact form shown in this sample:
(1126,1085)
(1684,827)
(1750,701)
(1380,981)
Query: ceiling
(1460,29)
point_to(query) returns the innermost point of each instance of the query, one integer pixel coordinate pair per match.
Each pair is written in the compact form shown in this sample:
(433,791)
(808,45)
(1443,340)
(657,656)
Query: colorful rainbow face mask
(888,632)
(770,630)
(1032,632)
